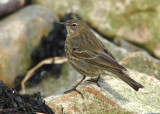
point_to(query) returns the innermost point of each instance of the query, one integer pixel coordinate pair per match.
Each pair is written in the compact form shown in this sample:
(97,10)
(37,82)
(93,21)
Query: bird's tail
(135,85)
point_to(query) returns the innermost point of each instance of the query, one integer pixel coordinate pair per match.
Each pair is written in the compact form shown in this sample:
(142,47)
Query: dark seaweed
(11,102)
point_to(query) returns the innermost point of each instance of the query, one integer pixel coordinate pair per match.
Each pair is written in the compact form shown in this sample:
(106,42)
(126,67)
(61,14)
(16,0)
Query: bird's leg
(74,87)
(95,80)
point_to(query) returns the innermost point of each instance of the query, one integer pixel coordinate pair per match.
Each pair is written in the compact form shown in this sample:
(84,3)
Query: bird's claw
(74,89)
(94,80)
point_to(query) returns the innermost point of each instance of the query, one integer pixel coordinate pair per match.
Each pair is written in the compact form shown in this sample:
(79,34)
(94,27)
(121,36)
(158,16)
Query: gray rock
(129,46)
(142,63)
(114,96)
(20,34)
(8,6)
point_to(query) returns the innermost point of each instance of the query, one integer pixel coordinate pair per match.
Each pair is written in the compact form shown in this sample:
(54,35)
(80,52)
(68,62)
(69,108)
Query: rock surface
(114,96)
(8,6)
(143,63)
(20,34)
(133,20)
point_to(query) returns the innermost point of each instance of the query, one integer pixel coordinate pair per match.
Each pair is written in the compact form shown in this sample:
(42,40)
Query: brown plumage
(88,55)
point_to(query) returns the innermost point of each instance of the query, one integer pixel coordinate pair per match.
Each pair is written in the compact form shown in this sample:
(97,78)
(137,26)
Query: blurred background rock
(9,6)
(129,29)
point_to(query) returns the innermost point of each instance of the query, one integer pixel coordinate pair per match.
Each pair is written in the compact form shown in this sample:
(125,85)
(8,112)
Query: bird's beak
(62,23)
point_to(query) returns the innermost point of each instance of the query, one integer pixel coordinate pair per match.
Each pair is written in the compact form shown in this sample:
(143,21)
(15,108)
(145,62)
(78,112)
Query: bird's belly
(85,68)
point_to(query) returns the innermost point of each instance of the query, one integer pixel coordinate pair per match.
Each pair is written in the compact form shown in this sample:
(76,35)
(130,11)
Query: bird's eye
(74,24)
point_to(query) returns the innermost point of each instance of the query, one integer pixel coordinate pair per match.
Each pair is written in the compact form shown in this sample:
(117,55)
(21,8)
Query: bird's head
(74,26)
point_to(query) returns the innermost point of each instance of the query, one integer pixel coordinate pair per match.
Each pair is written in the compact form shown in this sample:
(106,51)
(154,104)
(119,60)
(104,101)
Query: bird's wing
(107,52)
(108,60)
(97,58)
(83,54)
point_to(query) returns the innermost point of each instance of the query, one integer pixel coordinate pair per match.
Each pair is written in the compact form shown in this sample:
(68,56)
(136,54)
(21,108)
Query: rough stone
(142,63)
(12,4)
(20,34)
(114,96)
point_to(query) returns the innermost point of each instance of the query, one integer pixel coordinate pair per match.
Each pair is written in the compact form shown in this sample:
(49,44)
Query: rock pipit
(89,56)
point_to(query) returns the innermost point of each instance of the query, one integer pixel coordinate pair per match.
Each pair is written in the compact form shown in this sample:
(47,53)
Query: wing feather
(97,58)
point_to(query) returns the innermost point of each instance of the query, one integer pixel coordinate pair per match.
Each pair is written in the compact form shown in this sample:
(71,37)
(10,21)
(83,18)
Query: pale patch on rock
(141,34)
(157,50)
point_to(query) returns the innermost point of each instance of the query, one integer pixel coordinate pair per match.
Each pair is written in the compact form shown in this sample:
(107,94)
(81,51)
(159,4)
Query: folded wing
(100,58)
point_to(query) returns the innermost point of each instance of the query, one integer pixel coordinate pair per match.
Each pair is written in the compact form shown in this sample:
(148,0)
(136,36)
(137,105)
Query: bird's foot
(94,80)
(74,89)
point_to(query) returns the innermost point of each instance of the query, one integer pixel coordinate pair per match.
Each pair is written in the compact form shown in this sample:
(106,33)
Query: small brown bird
(88,55)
